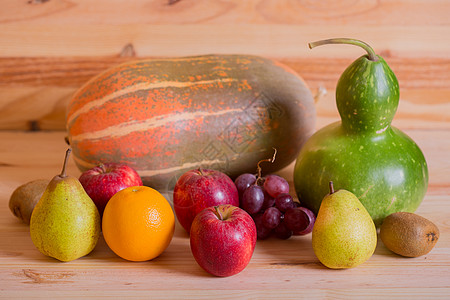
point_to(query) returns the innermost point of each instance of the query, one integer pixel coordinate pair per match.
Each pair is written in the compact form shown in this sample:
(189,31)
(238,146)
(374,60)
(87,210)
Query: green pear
(65,223)
(344,234)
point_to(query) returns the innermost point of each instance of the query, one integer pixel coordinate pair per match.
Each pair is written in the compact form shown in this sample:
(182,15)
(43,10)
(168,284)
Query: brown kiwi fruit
(25,197)
(408,234)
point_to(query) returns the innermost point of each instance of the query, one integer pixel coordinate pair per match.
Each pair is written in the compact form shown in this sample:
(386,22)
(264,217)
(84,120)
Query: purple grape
(298,219)
(284,202)
(312,220)
(275,185)
(271,217)
(282,232)
(243,181)
(261,231)
(269,201)
(252,199)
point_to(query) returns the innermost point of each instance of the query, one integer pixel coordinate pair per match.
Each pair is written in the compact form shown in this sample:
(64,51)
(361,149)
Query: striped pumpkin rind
(166,116)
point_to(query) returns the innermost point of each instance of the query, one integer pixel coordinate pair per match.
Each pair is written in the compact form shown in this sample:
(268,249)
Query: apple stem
(365,46)
(331,187)
(271,160)
(218,213)
(200,171)
(66,160)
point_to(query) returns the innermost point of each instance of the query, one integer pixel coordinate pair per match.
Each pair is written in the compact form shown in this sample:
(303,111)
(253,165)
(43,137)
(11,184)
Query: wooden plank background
(49,48)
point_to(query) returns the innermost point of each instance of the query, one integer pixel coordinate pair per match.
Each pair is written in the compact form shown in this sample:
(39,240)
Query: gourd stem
(66,161)
(365,46)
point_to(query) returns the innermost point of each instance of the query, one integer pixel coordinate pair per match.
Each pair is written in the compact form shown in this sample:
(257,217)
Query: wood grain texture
(189,27)
(278,268)
(412,73)
(373,12)
(28,40)
(50,48)
(34,91)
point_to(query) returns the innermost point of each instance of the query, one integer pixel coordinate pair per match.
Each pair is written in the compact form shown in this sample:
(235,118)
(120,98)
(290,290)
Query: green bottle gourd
(363,153)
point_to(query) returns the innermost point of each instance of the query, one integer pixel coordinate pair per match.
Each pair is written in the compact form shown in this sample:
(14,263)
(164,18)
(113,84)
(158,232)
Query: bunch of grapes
(268,201)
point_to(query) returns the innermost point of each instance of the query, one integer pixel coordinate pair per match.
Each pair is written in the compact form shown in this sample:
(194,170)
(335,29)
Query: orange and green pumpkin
(166,116)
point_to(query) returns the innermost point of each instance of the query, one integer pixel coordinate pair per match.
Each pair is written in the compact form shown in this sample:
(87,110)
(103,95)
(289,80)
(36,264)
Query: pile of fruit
(225,218)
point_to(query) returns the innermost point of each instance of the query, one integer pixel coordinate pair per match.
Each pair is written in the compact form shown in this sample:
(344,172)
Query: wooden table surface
(48,49)
(278,269)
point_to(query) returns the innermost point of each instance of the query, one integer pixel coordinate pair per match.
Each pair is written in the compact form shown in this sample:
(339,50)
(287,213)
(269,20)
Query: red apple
(103,181)
(198,189)
(223,239)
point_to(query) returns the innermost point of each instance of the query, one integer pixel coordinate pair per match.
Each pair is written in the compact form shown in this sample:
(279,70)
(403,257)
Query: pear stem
(331,187)
(365,46)
(218,213)
(66,161)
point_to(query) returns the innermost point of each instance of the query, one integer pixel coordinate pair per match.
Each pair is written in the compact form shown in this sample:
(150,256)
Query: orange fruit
(138,223)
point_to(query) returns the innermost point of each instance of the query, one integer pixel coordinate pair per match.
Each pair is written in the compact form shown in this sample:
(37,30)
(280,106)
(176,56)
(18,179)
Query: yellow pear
(344,234)
(65,223)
